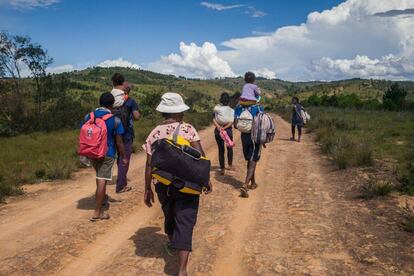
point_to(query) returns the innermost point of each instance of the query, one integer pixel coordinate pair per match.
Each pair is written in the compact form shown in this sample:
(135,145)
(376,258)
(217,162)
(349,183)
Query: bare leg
(99,197)
(251,168)
(183,259)
(299,133)
(293,133)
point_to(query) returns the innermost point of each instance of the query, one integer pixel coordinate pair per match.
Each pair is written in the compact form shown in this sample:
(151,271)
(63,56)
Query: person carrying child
(244,115)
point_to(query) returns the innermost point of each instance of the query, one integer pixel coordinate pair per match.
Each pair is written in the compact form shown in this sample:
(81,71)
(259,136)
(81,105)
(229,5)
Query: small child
(251,92)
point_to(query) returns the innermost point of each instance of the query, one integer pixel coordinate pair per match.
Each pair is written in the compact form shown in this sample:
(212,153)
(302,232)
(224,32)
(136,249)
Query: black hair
(118,79)
(172,115)
(225,98)
(249,77)
(296,99)
(106,100)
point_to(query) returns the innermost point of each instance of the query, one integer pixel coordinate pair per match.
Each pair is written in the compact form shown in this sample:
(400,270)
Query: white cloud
(255,13)
(220,7)
(29,4)
(119,62)
(265,73)
(194,61)
(61,69)
(389,67)
(350,33)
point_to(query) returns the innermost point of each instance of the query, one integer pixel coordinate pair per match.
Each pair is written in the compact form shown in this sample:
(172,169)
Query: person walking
(103,166)
(251,150)
(133,114)
(180,209)
(297,120)
(223,121)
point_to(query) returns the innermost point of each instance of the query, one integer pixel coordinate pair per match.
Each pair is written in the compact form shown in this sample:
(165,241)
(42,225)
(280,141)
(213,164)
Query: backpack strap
(176,131)
(107,116)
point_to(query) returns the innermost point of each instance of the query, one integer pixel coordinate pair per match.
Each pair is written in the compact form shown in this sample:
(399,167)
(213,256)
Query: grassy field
(47,156)
(362,138)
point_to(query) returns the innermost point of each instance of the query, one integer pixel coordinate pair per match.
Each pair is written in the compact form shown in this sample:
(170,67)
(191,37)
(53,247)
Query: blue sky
(85,33)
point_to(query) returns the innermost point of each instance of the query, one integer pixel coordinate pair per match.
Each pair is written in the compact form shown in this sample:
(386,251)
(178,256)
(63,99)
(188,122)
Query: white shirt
(119,96)
(223,114)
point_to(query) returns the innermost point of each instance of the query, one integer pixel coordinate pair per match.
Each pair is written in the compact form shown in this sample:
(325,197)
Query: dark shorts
(103,168)
(251,150)
(180,215)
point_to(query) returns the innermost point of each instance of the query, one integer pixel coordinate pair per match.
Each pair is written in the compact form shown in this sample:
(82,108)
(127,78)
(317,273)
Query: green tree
(394,98)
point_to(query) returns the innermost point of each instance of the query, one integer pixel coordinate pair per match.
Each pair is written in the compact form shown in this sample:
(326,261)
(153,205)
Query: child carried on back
(250,92)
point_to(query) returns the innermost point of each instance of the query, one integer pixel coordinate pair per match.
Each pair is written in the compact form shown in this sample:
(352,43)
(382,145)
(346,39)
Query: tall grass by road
(359,137)
(43,156)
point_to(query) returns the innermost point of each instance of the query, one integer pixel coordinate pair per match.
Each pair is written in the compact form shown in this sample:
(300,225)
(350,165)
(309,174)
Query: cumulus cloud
(119,62)
(265,73)
(194,61)
(220,7)
(350,33)
(61,69)
(396,12)
(29,4)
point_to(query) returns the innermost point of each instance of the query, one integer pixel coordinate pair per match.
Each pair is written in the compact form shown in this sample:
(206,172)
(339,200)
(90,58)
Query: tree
(37,60)
(394,98)
(11,56)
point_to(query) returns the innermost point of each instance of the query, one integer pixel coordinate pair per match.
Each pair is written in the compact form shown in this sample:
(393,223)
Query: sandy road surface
(303,219)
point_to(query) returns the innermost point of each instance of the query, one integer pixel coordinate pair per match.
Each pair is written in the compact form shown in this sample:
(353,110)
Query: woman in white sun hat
(180,209)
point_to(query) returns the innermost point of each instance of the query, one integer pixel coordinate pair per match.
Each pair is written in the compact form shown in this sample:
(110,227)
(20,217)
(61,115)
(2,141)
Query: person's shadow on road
(149,244)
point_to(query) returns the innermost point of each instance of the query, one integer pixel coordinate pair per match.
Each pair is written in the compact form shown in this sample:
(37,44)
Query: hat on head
(172,103)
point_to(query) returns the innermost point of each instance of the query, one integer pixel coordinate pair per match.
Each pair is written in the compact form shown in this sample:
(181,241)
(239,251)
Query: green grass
(358,137)
(376,188)
(48,156)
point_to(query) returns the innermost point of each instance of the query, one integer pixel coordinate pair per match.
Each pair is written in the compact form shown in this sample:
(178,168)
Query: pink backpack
(227,140)
(93,139)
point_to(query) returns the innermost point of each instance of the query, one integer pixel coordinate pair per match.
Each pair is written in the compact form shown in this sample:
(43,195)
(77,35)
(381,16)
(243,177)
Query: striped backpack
(263,129)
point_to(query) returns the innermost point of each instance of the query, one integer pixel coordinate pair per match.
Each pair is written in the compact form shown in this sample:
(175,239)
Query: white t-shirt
(119,96)
(223,114)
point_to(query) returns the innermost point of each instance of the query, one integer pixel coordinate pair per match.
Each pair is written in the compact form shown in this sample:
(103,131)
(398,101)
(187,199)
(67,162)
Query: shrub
(405,172)
(394,98)
(7,188)
(408,215)
(374,188)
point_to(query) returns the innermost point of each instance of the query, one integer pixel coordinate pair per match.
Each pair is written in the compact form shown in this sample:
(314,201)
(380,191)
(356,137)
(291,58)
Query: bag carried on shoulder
(175,162)
(93,138)
(263,130)
(245,121)
(305,116)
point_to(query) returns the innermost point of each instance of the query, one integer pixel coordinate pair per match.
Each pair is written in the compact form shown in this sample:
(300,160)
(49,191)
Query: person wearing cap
(128,139)
(180,209)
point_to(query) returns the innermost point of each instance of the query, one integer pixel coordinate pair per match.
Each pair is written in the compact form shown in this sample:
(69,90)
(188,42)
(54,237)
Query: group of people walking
(108,132)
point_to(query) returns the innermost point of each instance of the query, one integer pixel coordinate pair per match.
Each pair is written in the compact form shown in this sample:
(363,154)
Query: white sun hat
(172,103)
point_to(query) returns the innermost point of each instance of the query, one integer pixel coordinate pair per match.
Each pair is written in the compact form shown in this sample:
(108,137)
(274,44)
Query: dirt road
(305,218)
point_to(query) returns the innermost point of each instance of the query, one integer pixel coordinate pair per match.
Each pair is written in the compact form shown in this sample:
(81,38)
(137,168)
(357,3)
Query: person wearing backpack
(128,113)
(223,121)
(297,119)
(180,208)
(243,121)
(100,137)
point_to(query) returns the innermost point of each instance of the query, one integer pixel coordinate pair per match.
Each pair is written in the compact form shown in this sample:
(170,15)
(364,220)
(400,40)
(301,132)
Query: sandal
(244,192)
(253,186)
(103,216)
(124,190)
